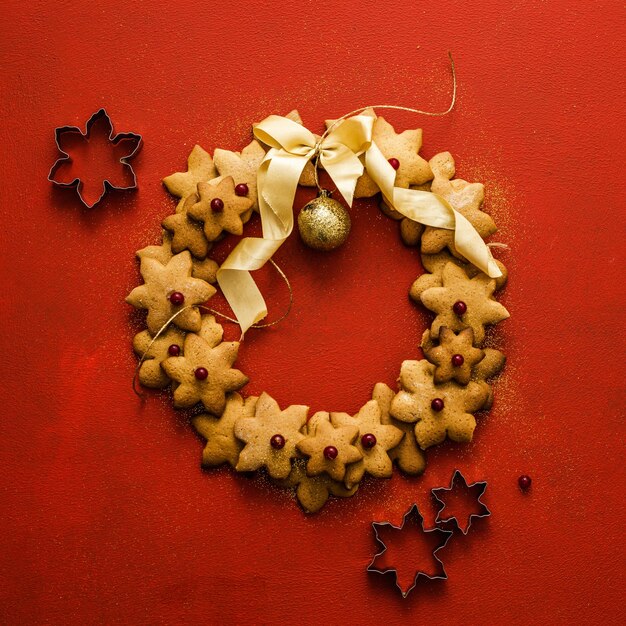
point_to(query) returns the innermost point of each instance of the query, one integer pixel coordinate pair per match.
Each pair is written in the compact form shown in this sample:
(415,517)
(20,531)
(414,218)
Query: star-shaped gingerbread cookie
(205,374)
(374,442)
(402,150)
(454,357)
(410,232)
(490,366)
(329,448)
(242,167)
(464,197)
(169,288)
(434,264)
(151,374)
(437,410)
(407,454)
(205,269)
(221,444)
(162,253)
(219,208)
(270,437)
(462,302)
(200,168)
(313,492)
(187,234)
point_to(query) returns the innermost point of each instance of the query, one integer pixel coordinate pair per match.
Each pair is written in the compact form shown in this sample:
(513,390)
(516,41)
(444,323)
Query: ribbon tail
(430,209)
(243,296)
(344,168)
(277,180)
(471,245)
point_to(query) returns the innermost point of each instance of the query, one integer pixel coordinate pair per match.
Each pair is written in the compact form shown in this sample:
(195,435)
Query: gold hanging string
(395,107)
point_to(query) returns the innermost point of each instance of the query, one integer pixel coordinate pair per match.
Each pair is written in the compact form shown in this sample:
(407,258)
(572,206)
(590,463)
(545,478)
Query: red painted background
(107,517)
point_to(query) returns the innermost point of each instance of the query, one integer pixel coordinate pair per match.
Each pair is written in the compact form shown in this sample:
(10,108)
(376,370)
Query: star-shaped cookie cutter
(113,138)
(445,536)
(479,486)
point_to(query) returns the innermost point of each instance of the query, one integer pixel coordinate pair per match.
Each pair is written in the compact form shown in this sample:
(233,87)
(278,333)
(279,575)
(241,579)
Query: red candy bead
(368,441)
(201,373)
(437,405)
(241,189)
(394,163)
(459,307)
(277,442)
(177,298)
(524,482)
(217,205)
(458,360)
(330,452)
(174,350)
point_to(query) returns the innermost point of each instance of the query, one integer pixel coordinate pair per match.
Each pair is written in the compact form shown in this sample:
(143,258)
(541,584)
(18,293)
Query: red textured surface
(107,517)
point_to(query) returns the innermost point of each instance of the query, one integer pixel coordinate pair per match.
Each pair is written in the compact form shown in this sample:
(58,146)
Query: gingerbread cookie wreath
(182,348)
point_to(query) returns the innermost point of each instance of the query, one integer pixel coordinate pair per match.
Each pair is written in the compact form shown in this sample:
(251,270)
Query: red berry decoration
(459,307)
(437,405)
(217,205)
(458,360)
(394,163)
(277,442)
(201,373)
(524,482)
(368,441)
(241,189)
(330,453)
(174,350)
(177,298)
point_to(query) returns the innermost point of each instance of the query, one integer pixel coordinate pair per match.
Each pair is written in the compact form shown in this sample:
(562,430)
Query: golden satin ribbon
(292,146)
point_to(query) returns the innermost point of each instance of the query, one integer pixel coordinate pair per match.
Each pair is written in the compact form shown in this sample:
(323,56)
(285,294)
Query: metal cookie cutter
(478,488)
(413,515)
(134,139)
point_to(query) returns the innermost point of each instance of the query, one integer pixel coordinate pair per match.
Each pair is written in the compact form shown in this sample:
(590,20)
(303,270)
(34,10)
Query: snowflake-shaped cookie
(374,441)
(454,357)
(462,302)
(168,288)
(270,437)
(220,208)
(329,448)
(221,444)
(437,410)
(151,374)
(200,169)
(205,374)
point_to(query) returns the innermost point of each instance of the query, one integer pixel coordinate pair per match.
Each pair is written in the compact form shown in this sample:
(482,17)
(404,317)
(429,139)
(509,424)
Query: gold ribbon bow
(291,147)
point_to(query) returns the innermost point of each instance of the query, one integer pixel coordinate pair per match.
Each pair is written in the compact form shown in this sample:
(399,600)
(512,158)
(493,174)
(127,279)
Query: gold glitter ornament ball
(324,224)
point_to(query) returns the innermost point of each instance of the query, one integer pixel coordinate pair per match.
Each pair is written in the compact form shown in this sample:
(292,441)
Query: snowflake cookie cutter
(413,512)
(478,486)
(115,139)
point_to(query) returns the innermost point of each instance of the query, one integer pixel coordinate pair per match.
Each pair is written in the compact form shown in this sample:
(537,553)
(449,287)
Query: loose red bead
(437,405)
(394,163)
(368,441)
(201,373)
(241,189)
(177,298)
(277,442)
(458,360)
(524,482)
(459,307)
(217,205)
(330,452)
(174,350)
